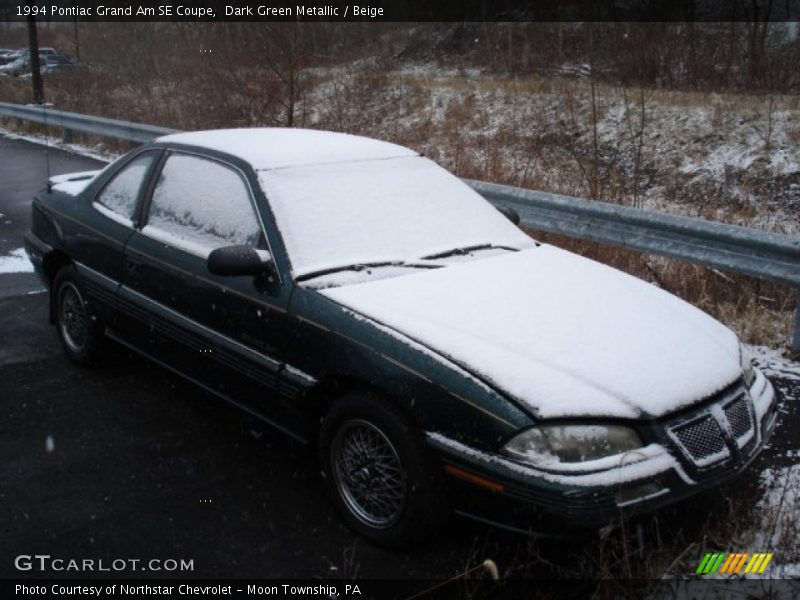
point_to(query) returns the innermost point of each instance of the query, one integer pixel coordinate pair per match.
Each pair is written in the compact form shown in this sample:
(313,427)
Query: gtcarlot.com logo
(45,562)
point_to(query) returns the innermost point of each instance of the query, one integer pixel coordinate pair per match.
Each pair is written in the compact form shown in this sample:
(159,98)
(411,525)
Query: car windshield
(399,210)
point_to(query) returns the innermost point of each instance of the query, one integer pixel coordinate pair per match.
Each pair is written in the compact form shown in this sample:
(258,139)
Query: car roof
(276,148)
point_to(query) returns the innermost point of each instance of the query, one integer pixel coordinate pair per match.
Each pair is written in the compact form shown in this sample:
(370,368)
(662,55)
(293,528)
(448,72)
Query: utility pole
(77,42)
(36,74)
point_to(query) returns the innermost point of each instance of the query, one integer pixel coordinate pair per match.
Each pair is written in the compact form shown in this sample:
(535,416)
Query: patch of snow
(564,334)
(779,527)
(773,363)
(397,210)
(73,183)
(78,176)
(278,148)
(95,152)
(16,262)
(430,70)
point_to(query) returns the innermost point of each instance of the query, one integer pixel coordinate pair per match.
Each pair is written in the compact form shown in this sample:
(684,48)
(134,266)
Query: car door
(226,333)
(98,248)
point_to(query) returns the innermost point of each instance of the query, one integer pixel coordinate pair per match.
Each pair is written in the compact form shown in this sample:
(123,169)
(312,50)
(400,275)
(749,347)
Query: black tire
(392,495)
(79,331)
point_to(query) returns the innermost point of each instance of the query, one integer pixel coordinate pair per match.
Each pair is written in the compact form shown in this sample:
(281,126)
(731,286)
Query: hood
(562,334)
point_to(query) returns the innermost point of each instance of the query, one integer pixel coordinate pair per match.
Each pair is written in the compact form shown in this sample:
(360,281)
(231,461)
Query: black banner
(401,10)
(409,589)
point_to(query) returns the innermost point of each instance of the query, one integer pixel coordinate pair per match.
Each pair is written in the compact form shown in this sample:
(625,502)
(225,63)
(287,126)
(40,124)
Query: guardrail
(135,133)
(770,256)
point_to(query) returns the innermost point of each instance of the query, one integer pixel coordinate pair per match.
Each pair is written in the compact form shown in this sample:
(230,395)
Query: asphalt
(128,461)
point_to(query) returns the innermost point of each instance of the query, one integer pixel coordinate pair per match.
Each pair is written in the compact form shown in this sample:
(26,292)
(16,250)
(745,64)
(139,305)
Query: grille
(738,416)
(702,439)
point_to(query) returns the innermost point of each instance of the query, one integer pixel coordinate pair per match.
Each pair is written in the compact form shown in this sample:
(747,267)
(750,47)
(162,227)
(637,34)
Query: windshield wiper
(360,267)
(465,250)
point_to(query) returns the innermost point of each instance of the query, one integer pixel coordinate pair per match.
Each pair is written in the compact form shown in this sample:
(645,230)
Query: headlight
(748,371)
(548,444)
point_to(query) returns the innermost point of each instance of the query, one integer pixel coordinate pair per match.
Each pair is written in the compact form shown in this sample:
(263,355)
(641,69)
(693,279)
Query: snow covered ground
(96,151)
(777,528)
(728,157)
(774,364)
(16,262)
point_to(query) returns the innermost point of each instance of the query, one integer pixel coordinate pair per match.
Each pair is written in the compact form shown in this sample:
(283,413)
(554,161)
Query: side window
(118,198)
(199,205)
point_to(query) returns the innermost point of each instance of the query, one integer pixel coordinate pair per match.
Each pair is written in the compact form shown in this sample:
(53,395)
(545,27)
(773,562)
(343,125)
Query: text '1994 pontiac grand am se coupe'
(362,299)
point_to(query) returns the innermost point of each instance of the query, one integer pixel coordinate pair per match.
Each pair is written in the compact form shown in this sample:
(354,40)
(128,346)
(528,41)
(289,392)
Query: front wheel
(378,473)
(79,332)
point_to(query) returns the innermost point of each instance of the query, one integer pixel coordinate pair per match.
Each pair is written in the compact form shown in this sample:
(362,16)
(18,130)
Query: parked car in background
(59,59)
(49,62)
(17,66)
(9,56)
(367,302)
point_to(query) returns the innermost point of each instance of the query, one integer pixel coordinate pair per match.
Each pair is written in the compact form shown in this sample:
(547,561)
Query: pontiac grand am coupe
(362,299)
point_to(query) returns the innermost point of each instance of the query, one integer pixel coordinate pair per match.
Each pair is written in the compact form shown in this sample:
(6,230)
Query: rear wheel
(378,473)
(78,330)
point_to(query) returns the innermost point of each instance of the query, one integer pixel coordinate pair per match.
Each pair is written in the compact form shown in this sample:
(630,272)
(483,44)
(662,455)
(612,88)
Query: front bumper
(503,492)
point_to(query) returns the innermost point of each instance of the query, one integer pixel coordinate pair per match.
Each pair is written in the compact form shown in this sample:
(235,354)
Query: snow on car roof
(275,148)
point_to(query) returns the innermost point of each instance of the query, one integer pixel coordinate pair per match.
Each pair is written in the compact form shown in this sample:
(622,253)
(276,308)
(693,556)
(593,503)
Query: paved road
(144,465)
(128,461)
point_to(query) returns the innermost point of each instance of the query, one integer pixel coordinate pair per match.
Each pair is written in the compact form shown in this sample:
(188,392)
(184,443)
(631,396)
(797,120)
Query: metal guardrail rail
(760,254)
(135,133)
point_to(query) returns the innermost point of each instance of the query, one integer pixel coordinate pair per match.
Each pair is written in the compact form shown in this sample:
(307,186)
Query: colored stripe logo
(733,563)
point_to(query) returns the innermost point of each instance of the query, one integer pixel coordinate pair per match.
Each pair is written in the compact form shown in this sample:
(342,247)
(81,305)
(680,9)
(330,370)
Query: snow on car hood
(561,333)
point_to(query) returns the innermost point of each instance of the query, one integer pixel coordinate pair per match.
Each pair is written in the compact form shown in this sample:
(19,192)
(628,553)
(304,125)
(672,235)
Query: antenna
(38,86)
(46,146)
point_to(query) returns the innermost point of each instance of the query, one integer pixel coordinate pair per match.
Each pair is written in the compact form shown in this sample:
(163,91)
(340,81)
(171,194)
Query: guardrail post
(66,136)
(796,336)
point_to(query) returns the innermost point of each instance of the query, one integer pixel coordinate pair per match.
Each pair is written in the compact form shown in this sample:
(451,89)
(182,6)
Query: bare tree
(636,137)
(287,53)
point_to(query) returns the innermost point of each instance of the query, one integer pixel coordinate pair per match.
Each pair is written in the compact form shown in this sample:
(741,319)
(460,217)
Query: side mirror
(240,260)
(509,213)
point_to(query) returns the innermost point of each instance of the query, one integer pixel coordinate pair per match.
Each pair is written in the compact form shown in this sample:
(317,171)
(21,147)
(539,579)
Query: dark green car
(362,299)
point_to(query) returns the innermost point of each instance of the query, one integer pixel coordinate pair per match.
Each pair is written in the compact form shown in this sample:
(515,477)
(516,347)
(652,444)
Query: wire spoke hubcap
(368,473)
(72,317)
